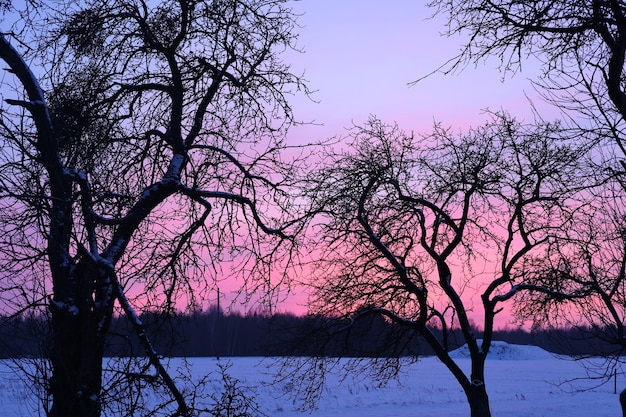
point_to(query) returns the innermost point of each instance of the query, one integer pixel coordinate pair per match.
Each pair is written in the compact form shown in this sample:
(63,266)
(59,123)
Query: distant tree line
(214,333)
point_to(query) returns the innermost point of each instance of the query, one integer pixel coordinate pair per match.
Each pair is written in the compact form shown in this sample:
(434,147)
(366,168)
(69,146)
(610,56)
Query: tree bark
(622,401)
(78,326)
(478,401)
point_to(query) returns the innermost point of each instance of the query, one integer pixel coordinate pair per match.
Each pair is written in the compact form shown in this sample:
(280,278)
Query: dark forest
(215,333)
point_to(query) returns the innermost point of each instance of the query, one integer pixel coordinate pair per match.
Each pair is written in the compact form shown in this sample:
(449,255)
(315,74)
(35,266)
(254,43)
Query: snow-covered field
(522,381)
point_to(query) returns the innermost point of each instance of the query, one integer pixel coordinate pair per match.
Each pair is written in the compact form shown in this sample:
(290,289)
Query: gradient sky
(361,55)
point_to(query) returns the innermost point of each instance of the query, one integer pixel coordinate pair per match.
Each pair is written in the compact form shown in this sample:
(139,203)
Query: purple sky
(361,55)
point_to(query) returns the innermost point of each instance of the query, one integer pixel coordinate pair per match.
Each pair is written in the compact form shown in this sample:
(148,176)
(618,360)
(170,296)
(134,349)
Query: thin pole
(219,312)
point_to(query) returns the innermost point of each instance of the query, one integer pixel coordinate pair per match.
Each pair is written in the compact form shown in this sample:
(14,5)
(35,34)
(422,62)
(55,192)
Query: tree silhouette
(428,231)
(581,48)
(141,148)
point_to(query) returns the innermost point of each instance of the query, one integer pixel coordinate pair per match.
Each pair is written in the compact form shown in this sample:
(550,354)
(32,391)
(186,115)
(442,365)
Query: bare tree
(590,259)
(581,47)
(140,152)
(432,232)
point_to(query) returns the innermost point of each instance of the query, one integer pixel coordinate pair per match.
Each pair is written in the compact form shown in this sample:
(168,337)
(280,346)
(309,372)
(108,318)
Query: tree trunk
(622,401)
(78,328)
(76,366)
(478,401)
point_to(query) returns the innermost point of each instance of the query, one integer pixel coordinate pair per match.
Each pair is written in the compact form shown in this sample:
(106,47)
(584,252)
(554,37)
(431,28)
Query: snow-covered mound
(506,351)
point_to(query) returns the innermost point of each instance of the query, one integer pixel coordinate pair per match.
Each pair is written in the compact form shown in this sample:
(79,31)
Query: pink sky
(360,58)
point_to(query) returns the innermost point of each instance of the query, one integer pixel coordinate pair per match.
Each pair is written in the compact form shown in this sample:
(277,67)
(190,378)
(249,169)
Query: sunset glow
(364,60)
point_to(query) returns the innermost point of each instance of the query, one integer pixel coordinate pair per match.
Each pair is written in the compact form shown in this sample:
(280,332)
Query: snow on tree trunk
(478,401)
(78,345)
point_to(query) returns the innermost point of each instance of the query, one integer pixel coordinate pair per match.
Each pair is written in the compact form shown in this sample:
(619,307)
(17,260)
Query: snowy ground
(522,381)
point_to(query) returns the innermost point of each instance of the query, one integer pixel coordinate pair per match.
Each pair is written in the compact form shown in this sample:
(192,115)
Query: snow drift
(507,352)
